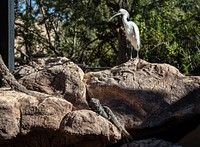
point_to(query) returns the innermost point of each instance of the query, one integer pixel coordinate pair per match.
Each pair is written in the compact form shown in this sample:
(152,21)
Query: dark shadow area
(137,103)
(173,130)
(7,32)
(192,139)
(174,122)
(40,137)
(159,119)
(35,138)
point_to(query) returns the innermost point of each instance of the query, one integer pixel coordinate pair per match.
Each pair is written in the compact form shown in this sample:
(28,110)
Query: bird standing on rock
(131,30)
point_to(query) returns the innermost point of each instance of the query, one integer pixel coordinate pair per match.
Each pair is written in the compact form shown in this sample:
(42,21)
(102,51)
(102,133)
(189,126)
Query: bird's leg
(137,59)
(131,52)
(137,54)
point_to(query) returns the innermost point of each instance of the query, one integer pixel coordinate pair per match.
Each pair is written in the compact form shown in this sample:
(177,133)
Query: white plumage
(131,30)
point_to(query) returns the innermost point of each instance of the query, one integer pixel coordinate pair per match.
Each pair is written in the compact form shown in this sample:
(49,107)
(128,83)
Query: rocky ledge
(155,103)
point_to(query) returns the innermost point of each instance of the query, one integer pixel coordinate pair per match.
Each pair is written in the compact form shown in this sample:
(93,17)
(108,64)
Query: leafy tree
(170,31)
(80,30)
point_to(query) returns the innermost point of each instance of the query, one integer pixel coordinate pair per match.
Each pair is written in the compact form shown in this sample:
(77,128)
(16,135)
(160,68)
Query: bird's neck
(124,20)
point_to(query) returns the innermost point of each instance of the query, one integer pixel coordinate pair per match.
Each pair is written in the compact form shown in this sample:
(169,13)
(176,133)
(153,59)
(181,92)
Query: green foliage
(170,33)
(80,30)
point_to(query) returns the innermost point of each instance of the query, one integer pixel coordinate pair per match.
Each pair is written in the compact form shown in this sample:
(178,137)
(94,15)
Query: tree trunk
(7,78)
(123,53)
(123,50)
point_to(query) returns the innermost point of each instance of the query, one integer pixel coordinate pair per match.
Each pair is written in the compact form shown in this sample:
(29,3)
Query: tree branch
(13,83)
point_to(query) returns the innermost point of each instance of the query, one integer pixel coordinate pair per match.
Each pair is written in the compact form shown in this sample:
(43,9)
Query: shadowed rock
(148,96)
(87,125)
(55,76)
(151,100)
(19,113)
(152,142)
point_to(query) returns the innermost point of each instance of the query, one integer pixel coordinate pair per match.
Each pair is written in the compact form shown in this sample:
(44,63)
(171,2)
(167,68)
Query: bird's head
(121,12)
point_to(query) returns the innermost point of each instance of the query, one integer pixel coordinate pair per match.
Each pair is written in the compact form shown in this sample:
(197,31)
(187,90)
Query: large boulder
(146,95)
(55,76)
(151,100)
(49,121)
(21,113)
(82,125)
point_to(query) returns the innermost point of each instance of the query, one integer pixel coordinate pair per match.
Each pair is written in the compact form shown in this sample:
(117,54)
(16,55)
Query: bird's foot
(136,63)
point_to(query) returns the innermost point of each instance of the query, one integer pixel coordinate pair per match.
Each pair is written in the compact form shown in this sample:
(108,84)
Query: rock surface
(84,123)
(191,139)
(55,76)
(146,97)
(21,113)
(50,121)
(151,100)
(152,142)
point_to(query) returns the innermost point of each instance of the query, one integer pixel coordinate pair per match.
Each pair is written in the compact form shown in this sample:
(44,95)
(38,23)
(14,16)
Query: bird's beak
(114,16)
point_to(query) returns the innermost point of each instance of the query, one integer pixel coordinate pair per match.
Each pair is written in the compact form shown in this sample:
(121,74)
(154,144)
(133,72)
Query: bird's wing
(135,32)
(132,34)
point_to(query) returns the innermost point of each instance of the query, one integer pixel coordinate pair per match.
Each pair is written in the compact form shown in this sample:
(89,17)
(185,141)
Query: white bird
(131,30)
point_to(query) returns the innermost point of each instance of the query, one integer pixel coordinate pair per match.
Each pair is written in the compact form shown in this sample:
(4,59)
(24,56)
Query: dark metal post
(7,32)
